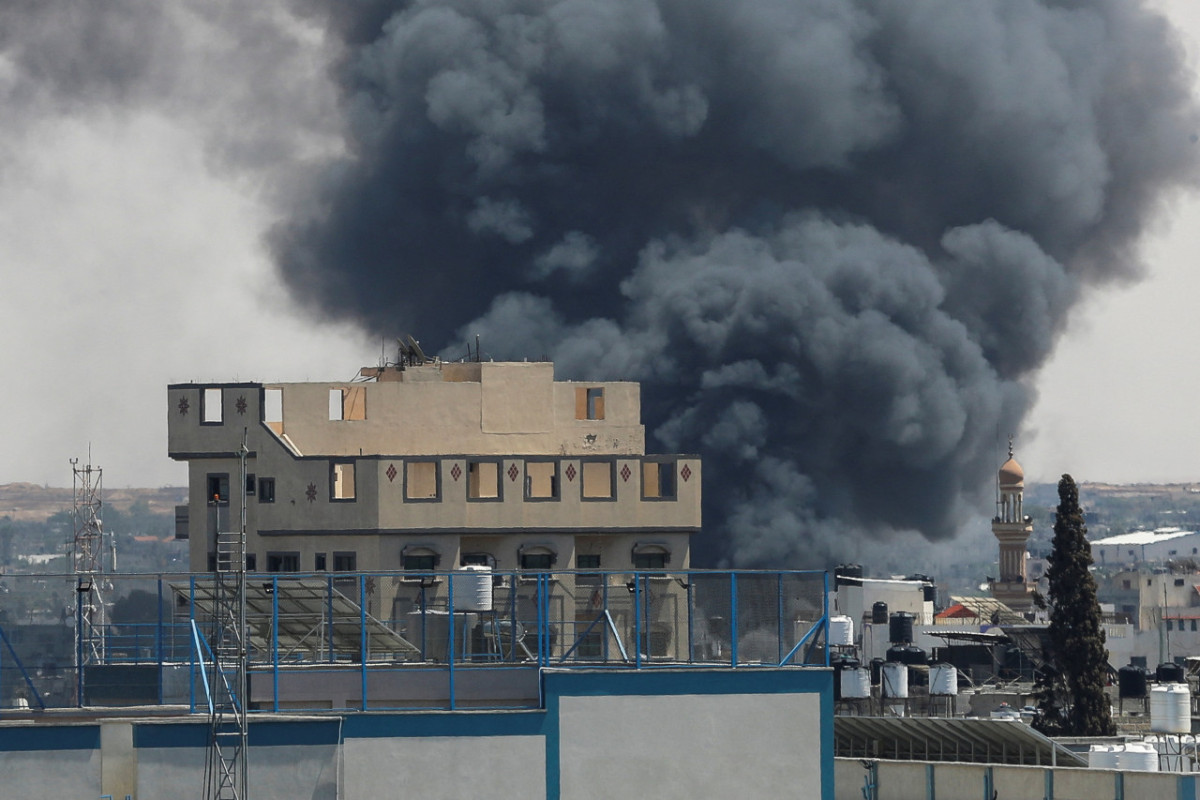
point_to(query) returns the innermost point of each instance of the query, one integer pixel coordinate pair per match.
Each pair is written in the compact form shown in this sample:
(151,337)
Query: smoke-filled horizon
(833,240)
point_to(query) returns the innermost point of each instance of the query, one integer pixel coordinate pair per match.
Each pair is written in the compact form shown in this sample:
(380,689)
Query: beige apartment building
(429,467)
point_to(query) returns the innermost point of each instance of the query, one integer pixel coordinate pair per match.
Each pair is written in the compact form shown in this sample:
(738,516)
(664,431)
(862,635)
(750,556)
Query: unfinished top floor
(504,408)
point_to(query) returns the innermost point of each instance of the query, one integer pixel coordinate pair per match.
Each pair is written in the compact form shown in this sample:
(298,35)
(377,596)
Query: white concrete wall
(446,767)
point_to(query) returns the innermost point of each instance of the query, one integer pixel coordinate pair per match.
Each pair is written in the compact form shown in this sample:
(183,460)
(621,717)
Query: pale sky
(130,260)
(1117,400)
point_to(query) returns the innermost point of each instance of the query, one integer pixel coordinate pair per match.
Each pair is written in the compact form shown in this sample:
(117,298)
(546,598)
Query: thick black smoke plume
(834,240)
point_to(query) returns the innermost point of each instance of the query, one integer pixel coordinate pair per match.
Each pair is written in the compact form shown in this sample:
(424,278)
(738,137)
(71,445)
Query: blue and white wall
(755,732)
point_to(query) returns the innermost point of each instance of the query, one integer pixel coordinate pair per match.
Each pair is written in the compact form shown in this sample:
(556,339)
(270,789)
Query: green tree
(1070,690)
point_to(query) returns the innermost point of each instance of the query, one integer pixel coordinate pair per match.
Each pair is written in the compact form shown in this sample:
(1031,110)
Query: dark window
(658,480)
(266,490)
(479,559)
(1168,624)
(345,562)
(251,562)
(1179,581)
(319,562)
(537,560)
(420,563)
(250,485)
(595,403)
(587,561)
(1193,625)
(218,487)
(650,560)
(283,562)
(212,562)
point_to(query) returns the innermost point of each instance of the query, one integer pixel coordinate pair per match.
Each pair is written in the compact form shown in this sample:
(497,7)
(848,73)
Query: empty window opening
(541,480)
(218,487)
(587,561)
(658,480)
(266,490)
(483,480)
(342,474)
(283,562)
(1179,581)
(273,409)
(251,562)
(211,411)
(348,404)
(320,564)
(477,559)
(589,402)
(345,562)
(597,479)
(250,486)
(420,480)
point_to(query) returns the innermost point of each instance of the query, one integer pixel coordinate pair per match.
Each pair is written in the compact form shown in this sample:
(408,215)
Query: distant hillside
(32,503)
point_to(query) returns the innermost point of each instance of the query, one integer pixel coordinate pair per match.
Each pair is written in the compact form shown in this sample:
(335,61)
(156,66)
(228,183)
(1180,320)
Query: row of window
(484,481)
(1180,624)
(350,403)
(428,561)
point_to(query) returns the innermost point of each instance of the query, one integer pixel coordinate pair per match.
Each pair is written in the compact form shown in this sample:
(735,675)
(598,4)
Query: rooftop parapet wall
(511,409)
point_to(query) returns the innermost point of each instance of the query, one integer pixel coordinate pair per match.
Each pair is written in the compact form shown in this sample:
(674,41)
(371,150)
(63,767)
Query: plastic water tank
(1170,708)
(841,631)
(879,613)
(1170,673)
(1102,756)
(907,654)
(943,680)
(856,683)
(900,628)
(473,588)
(894,679)
(1131,681)
(1138,756)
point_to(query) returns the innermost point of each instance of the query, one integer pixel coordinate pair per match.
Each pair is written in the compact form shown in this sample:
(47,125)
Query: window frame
(206,406)
(334,464)
(343,557)
(276,559)
(266,490)
(555,481)
(498,465)
(223,488)
(663,467)
(611,497)
(437,480)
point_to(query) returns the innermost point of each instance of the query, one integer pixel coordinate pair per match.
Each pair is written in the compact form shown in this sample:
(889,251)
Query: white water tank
(841,631)
(1138,756)
(894,677)
(1102,756)
(856,683)
(473,588)
(1170,708)
(943,680)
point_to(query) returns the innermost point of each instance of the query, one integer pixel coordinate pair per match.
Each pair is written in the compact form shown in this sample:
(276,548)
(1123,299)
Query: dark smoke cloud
(834,240)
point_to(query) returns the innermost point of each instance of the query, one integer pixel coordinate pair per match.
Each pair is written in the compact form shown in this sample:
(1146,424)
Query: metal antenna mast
(87,565)
(225,770)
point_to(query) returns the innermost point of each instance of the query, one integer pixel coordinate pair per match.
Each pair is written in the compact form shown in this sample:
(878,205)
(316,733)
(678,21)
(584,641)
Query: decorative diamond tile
(183,406)
(391,472)
(625,473)
(513,472)
(311,492)
(570,472)
(241,405)
(456,472)
(685,473)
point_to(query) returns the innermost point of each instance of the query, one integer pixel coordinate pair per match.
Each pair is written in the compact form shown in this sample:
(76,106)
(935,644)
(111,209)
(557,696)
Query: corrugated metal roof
(980,741)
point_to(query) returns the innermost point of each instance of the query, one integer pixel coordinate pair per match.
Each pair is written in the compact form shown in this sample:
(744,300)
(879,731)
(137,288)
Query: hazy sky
(132,206)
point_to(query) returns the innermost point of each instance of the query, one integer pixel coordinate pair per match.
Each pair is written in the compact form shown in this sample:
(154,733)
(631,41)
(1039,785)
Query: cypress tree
(1070,690)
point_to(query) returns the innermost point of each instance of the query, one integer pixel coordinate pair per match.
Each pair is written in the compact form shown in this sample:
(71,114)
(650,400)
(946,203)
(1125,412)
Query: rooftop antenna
(87,565)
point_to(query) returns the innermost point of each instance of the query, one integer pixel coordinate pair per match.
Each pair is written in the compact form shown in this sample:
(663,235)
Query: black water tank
(906,654)
(929,593)
(1131,681)
(1168,672)
(900,628)
(879,613)
(848,571)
